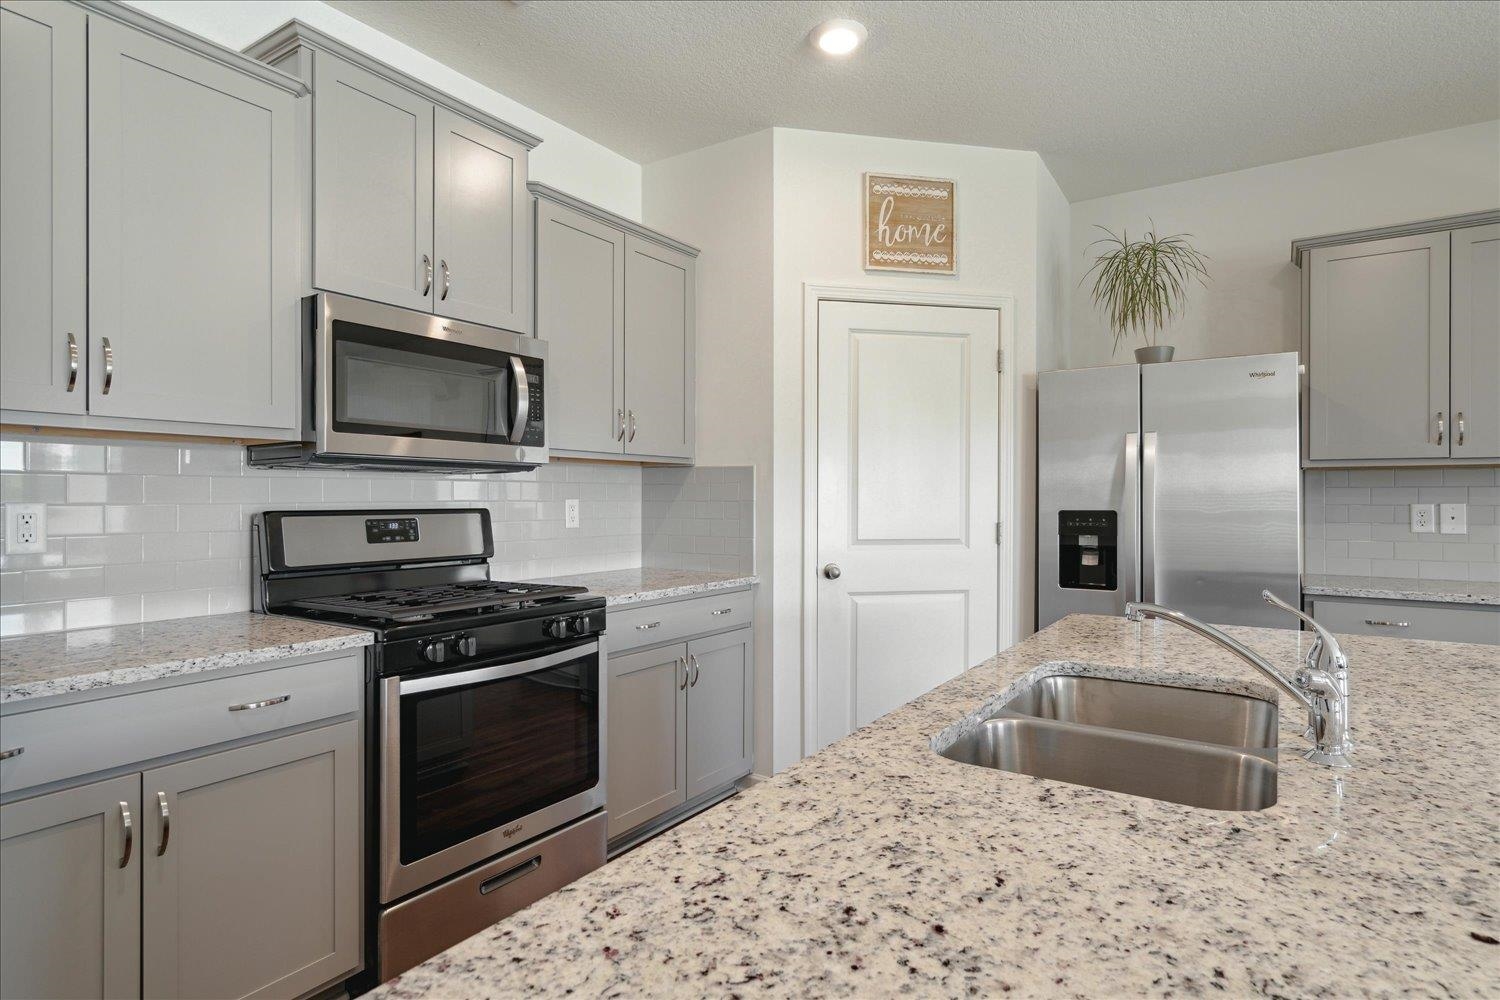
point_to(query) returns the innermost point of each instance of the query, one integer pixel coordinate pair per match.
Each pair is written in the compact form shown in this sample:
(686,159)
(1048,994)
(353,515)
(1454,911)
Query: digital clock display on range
(379,530)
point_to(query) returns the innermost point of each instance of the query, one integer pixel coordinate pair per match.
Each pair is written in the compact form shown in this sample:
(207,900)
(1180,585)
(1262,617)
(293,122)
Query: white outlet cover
(1453,518)
(1423,517)
(25,528)
(570,513)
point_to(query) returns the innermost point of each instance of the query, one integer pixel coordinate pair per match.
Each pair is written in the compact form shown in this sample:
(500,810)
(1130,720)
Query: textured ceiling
(1115,96)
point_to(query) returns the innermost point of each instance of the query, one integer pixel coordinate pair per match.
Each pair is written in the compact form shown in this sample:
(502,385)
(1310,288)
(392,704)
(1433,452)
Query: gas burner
(420,603)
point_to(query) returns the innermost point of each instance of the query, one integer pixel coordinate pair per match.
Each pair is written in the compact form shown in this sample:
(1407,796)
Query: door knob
(832,571)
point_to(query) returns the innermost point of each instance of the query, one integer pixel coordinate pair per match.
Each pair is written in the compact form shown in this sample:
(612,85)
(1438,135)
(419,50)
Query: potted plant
(1141,284)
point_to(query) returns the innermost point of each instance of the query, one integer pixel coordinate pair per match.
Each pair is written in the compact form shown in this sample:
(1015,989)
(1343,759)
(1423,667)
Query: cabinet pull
(642,628)
(619,425)
(683,665)
(12,752)
(722,611)
(72,362)
(427,273)
(1440,427)
(447,281)
(632,426)
(166,824)
(1378,621)
(1458,427)
(128,829)
(109,365)
(693,660)
(252,705)
(508,876)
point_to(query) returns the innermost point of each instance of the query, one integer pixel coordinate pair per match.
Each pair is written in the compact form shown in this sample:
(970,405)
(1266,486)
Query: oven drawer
(1397,619)
(414,931)
(630,628)
(84,737)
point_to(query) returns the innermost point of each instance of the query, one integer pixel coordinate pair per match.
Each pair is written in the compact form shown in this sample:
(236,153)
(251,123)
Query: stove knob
(435,652)
(557,628)
(466,645)
(580,625)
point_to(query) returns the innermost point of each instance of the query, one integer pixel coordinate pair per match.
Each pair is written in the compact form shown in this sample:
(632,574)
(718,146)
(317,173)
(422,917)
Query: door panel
(372,187)
(580,313)
(1476,342)
(481,225)
(43,200)
(192,236)
(647,771)
(1221,487)
(255,893)
(720,696)
(70,917)
(908,497)
(659,362)
(1378,359)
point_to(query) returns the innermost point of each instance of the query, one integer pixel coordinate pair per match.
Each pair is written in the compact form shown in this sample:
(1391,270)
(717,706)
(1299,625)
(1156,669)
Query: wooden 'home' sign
(909,224)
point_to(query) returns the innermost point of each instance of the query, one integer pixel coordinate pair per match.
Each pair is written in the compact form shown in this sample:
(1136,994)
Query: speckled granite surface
(55,663)
(1390,588)
(639,585)
(877,867)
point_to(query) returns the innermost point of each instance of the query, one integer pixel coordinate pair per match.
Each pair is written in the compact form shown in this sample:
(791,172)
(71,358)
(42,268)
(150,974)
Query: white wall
(1245,222)
(719,199)
(565,159)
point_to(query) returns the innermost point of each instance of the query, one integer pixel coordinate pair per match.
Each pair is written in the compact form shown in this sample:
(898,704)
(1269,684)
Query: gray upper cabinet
(43,200)
(615,303)
(70,892)
(1476,342)
(719,738)
(648,727)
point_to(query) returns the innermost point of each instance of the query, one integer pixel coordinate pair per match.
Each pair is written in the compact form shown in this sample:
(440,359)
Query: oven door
(395,384)
(479,760)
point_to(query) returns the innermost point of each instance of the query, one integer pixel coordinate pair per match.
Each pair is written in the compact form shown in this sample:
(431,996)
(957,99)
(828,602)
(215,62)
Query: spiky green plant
(1141,284)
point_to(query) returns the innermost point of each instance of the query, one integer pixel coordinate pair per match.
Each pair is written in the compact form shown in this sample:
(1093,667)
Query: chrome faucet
(1321,686)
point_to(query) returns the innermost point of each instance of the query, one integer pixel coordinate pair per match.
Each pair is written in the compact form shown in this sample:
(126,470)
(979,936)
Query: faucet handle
(1325,648)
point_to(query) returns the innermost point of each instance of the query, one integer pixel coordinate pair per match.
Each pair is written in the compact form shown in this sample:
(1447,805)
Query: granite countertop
(1390,588)
(56,663)
(639,585)
(877,867)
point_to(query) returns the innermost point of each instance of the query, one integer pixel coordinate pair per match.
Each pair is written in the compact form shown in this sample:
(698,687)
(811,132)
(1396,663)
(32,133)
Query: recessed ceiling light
(838,37)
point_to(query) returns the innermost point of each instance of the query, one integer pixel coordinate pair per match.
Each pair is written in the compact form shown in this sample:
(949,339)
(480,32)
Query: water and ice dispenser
(1087,549)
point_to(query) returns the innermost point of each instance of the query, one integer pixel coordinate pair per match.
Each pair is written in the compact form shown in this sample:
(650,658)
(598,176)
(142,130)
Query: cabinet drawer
(1444,623)
(85,737)
(630,628)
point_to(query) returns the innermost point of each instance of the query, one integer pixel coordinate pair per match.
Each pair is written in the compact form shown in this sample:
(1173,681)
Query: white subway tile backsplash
(138,518)
(21,487)
(63,584)
(60,456)
(100,488)
(139,578)
(147,459)
(71,520)
(102,550)
(177,489)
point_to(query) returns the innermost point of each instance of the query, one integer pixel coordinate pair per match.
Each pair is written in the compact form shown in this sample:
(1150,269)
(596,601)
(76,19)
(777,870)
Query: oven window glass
(395,384)
(474,758)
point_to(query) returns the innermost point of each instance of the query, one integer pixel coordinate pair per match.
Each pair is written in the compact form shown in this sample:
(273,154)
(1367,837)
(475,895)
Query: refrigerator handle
(1148,517)
(1130,515)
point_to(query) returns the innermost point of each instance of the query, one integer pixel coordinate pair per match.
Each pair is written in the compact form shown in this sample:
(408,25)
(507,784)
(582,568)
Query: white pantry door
(908,498)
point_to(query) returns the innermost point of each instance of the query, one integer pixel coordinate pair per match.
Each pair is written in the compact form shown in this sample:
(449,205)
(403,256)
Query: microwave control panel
(535,435)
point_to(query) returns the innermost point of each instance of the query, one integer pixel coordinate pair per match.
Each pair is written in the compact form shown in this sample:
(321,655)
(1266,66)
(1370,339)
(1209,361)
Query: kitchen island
(878,867)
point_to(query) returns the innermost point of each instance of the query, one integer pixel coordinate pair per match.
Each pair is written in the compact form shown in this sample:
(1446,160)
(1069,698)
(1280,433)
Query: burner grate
(416,603)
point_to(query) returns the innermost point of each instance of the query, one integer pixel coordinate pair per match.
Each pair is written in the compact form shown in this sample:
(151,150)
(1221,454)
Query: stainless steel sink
(1199,748)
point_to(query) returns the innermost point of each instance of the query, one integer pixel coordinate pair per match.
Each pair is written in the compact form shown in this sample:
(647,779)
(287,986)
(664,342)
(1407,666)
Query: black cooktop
(413,604)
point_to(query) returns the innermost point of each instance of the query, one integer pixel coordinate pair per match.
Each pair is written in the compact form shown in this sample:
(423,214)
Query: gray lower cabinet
(251,868)
(43,202)
(1476,342)
(70,892)
(719,743)
(1440,622)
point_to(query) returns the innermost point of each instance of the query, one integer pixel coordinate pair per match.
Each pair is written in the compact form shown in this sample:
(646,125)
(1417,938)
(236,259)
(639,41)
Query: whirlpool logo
(1262,374)
(511,831)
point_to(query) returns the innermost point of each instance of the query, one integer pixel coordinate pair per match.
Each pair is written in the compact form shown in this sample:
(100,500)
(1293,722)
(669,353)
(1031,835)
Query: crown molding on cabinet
(295,33)
(1464,221)
(609,218)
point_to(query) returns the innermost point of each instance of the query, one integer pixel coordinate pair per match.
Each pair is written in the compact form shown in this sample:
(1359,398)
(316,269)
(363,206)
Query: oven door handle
(418,685)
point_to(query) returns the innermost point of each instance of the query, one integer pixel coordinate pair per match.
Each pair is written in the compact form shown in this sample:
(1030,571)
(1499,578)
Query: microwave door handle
(520,403)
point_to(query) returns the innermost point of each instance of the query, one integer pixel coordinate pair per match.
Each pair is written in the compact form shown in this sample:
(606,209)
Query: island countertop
(878,867)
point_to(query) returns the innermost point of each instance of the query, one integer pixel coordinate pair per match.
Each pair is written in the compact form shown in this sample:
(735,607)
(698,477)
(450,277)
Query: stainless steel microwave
(390,388)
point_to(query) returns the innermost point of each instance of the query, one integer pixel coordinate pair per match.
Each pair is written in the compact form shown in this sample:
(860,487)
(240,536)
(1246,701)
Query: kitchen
(598,389)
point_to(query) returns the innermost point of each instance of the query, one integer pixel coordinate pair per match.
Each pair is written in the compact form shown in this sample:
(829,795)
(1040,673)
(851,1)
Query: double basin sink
(1200,748)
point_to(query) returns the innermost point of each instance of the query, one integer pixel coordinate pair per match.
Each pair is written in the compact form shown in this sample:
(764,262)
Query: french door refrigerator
(1176,483)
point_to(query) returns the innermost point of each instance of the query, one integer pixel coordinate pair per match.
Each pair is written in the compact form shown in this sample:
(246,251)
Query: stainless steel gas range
(485,717)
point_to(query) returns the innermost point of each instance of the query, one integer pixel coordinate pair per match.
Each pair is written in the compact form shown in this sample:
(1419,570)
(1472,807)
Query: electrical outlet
(570,514)
(25,528)
(1453,518)
(1422,517)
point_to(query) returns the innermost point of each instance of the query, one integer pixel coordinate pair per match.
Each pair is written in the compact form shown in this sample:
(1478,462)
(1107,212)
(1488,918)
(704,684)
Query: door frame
(814,294)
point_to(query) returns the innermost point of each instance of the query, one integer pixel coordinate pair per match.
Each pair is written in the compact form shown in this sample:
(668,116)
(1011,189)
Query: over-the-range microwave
(394,389)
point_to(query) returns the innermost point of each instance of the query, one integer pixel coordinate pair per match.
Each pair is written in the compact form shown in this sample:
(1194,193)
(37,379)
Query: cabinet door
(659,370)
(1378,359)
(193,237)
(1476,342)
(720,696)
(481,225)
(580,313)
(372,187)
(252,860)
(43,179)
(647,773)
(70,892)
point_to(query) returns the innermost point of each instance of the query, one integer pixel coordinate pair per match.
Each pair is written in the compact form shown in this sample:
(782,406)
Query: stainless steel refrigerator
(1176,483)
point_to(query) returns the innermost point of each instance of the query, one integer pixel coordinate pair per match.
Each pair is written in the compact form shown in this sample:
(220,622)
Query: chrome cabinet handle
(520,405)
(722,611)
(832,571)
(447,280)
(1378,621)
(1440,427)
(109,365)
(128,829)
(12,752)
(642,628)
(427,273)
(682,663)
(166,824)
(619,425)
(72,362)
(1458,427)
(697,671)
(250,706)
(632,426)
